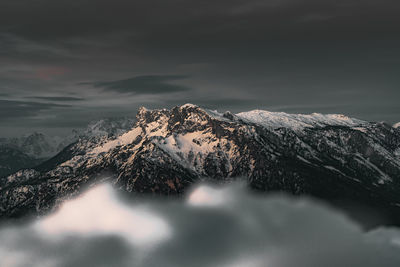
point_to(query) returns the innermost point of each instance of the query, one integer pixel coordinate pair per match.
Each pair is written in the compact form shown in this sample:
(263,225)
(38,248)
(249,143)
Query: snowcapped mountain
(332,157)
(396,125)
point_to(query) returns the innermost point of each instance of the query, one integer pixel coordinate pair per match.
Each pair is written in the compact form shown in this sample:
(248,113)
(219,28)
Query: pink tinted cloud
(49,73)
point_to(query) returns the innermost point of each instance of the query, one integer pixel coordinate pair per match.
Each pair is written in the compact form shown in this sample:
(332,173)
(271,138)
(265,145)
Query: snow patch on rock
(122,140)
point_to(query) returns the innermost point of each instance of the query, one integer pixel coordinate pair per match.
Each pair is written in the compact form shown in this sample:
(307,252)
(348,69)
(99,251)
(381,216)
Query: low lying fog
(213,226)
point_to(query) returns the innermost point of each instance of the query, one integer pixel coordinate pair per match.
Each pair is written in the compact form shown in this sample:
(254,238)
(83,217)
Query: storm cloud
(225,226)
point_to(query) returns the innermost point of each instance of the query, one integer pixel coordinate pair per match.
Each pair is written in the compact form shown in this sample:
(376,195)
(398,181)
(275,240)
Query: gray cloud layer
(302,56)
(233,228)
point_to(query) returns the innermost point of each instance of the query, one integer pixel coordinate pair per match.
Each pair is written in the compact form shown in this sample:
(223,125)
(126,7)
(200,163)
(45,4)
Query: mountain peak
(187,112)
(142,110)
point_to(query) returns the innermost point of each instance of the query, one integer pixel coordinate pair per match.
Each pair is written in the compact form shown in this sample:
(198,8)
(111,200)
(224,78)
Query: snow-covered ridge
(189,105)
(298,121)
(276,120)
(267,119)
(122,140)
(396,125)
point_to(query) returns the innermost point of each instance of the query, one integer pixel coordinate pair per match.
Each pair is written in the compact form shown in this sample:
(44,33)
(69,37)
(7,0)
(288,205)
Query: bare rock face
(332,157)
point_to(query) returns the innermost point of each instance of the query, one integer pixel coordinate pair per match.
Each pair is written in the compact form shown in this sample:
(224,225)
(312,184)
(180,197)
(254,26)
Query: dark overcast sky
(64,63)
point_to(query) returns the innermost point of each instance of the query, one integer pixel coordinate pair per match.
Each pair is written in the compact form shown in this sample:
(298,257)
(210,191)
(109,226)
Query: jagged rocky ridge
(331,157)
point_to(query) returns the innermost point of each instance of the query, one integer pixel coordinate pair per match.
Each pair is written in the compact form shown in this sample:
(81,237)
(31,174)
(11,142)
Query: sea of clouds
(213,226)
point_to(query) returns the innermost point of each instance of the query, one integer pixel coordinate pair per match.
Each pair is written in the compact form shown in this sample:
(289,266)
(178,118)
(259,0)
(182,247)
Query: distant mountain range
(348,162)
(30,150)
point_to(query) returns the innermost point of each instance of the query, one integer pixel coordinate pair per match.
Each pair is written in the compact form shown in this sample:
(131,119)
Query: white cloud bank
(98,212)
(216,227)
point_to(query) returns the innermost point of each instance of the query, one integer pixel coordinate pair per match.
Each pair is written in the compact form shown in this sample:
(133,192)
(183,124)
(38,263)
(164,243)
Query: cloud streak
(58,98)
(10,109)
(147,84)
